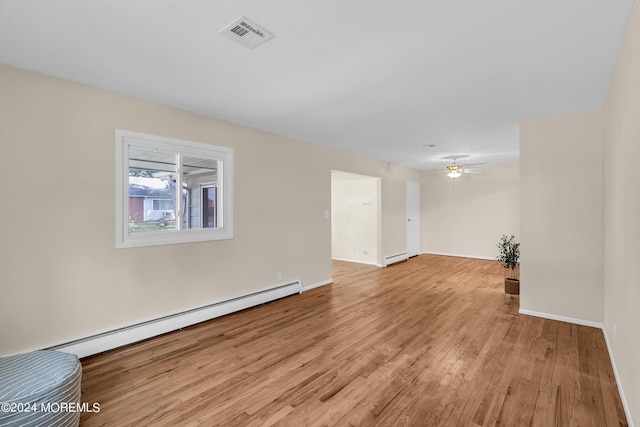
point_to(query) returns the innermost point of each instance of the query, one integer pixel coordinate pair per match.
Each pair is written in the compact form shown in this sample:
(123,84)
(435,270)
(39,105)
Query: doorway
(355,218)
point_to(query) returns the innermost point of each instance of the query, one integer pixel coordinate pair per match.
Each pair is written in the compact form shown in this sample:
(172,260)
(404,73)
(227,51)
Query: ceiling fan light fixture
(454,171)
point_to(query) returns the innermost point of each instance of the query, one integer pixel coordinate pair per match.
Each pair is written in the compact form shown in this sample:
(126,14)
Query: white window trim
(124,239)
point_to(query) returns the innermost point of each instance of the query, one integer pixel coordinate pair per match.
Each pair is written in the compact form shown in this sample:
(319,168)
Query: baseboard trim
(592,324)
(459,256)
(316,285)
(623,398)
(393,259)
(562,318)
(356,261)
(101,342)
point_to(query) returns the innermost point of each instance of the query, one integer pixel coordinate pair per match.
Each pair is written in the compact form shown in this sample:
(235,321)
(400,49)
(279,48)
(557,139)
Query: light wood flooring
(433,341)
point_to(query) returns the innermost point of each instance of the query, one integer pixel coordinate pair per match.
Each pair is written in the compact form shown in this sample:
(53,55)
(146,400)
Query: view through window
(151,203)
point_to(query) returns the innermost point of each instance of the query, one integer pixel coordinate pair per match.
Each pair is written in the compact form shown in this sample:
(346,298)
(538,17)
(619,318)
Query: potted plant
(509,254)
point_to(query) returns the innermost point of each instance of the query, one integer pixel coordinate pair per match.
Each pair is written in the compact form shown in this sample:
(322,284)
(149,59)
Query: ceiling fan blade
(473,164)
(455,157)
(474,171)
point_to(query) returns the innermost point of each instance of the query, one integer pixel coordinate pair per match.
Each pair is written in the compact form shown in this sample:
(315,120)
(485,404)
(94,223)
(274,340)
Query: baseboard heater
(392,259)
(99,343)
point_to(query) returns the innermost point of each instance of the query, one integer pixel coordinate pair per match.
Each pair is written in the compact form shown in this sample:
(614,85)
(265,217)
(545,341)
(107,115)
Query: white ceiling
(381,78)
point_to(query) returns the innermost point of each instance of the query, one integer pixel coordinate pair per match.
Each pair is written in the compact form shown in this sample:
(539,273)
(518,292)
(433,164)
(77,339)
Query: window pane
(209,207)
(200,174)
(151,190)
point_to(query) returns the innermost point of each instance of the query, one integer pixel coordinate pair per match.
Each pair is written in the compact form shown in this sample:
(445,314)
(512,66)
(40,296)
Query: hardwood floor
(432,341)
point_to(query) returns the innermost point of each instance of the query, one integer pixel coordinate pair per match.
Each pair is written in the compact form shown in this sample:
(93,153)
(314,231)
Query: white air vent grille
(246,33)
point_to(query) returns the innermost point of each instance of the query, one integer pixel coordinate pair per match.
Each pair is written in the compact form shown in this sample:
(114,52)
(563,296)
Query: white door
(413,218)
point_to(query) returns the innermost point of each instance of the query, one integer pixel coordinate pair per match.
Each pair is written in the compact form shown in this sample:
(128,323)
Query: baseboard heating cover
(129,334)
(392,259)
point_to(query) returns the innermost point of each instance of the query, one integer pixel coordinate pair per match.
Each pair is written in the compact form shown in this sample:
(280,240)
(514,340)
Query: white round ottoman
(41,388)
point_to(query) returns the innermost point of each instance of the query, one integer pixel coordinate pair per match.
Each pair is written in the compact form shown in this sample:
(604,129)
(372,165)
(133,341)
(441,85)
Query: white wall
(61,276)
(561,220)
(468,219)
(354,217)
(622,215)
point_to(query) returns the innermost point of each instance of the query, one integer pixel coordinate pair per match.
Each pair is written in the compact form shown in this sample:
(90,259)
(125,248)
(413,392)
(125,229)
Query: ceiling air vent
(246,33)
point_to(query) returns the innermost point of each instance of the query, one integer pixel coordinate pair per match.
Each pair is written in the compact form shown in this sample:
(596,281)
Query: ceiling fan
(456,170)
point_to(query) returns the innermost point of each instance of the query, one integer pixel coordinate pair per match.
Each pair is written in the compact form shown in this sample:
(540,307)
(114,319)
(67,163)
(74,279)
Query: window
(171,191)
(162,205)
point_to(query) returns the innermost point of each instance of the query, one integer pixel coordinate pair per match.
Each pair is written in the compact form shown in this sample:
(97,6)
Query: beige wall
(60,273)
(561,215)
(468,219)
(354,217)
(622,214)
(579,223)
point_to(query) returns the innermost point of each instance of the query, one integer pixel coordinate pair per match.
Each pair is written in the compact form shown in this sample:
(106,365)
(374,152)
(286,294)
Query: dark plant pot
(512,286)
